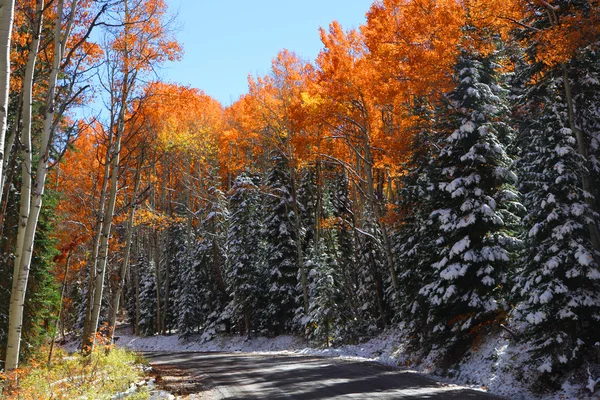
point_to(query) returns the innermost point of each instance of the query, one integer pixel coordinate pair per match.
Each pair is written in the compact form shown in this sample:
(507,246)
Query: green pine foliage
(281,252)
(412,248)
(245,272)
(325,293)
(148,323)
(475,205)
(43,293)
(559,284)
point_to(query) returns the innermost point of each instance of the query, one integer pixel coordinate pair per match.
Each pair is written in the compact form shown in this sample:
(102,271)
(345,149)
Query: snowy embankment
(496,365)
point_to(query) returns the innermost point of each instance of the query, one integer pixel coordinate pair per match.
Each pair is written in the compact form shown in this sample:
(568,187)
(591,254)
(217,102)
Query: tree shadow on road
(244,376)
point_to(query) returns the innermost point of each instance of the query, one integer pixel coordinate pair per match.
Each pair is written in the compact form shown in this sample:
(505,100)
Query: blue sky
(225,40)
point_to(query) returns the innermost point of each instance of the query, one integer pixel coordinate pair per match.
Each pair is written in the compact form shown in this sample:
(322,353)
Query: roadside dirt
(183,384)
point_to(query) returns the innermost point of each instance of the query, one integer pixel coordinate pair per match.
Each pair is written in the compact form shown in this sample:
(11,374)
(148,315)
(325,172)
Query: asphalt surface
(254,376)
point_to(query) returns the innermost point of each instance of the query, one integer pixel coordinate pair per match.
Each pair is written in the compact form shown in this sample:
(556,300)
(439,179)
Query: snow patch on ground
(219,343)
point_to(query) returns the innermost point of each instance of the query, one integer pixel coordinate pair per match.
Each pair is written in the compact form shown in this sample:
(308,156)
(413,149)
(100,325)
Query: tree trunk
(136,283)
(60,308)
(582,148)
(166,299)
(97,235)
(87,344)
(126,254)
(8,149)
(372,201)
(7,10)
(156,252)
(297,226)
(20,275)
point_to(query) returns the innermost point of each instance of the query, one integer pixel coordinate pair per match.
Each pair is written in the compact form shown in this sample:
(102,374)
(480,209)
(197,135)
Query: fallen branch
(512,333)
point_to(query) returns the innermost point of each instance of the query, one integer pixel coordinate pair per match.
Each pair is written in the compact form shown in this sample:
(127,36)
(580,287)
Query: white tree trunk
(25,252)
(7,8)
(97,235)
(20,276)
(88,341)
(127,252)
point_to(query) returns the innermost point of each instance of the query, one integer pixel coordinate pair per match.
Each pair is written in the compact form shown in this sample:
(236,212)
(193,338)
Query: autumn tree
(71,52)
(137,42)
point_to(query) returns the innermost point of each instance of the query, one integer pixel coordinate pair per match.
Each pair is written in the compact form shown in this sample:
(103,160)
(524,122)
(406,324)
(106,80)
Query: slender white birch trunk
(37,194)
(87,345)
(17,296)
(127,252)
(97,235)
(7,10)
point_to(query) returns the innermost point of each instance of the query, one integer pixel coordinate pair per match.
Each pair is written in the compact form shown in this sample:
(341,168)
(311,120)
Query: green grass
(98,376)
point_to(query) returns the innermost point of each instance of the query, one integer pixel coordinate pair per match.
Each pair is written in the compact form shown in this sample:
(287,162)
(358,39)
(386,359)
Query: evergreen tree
(175,256)
(244,272)
(586,96)
(307,200)
(346,256)
(148,318)
(559,284)
(211,260)
(188,304)
(281,253)
(412,245)
(43,296)
(324,292)
(476,209)
(371,270)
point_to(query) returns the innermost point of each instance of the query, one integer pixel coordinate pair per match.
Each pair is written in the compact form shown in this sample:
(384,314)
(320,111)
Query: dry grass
(106,372)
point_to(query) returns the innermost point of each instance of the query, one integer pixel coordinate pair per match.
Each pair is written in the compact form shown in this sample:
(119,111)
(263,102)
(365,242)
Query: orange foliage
(414,44)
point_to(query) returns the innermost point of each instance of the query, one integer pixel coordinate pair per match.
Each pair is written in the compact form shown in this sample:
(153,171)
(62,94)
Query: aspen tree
(7,8)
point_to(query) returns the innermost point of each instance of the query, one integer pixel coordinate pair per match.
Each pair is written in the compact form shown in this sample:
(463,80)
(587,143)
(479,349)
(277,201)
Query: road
(253,376)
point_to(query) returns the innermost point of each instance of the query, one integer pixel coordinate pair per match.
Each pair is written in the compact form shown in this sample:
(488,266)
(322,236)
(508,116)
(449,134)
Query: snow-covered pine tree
(307,198)
(346,254)
(188,304)
(374,312)
(148,322)
(477,207)
(245,274)
(559,284)
(211,259)
(174,257)
(412,246)
(281,254)
(324,292)
(310,211)
(585,73)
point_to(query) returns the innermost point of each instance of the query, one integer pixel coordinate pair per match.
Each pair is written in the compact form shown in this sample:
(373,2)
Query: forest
(436,169)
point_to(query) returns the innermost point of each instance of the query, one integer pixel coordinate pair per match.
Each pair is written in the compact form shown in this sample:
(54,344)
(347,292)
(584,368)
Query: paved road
(251,376)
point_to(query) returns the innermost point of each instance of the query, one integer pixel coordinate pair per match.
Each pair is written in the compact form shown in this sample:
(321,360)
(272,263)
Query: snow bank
(219,343)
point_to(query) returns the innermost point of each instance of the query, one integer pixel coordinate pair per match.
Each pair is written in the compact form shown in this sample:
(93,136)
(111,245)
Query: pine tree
(476,209)
(307,199)
(148,317)
(346,257)
(373,310)
(559,285)
(175,256)
(188,304)
(244,271)
(281,256)
(211,260)
(412,247)
(43,296)
(586,96)
(325,294)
